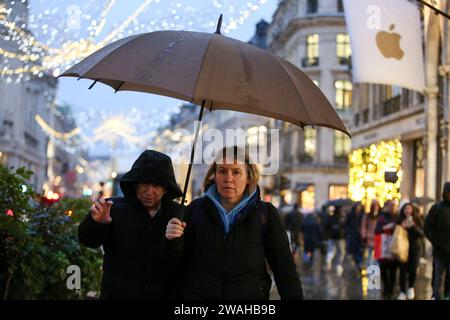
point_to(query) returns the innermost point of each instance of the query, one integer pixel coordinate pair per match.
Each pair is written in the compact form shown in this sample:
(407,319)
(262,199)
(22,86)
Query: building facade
(22,141)
(400,136)
(312,35)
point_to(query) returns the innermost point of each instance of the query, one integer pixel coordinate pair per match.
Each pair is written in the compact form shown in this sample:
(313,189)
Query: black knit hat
(153,167)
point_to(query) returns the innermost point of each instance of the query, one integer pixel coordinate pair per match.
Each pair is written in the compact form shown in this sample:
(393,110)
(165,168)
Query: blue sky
(76,93)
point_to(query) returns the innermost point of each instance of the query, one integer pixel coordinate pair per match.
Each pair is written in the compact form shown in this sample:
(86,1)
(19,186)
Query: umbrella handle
(188,175)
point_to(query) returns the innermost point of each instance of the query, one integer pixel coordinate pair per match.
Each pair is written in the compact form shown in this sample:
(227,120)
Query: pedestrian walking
(410,219)
(228,234)
(335,230)
(353,234)
(368,226)
(131,230)
(312,238)
(388,264)
(437,230)
(294,221)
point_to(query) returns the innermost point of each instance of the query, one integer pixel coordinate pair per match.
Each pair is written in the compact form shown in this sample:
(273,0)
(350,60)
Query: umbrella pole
(197,130)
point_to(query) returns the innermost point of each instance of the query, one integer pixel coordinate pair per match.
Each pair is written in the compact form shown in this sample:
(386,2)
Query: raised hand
(100,211)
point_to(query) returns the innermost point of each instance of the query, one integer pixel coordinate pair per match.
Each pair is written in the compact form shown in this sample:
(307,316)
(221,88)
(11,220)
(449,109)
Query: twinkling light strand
(47,44)
(123,132)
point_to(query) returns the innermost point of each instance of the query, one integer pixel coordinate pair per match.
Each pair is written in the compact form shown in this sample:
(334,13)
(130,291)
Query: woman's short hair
(239,155)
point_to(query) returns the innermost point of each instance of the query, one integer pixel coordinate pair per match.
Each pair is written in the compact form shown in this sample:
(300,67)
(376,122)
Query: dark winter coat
(437,229)
(134,264)
(415,239)
(335,226)
(233,266)
(384,219)
(312,233)
(353,232)
(294,221)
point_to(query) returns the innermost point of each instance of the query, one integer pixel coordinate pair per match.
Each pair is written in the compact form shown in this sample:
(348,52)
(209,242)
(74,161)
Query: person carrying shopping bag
(407,245)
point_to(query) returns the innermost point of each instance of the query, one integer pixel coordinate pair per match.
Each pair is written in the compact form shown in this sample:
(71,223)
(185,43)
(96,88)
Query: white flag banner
(386,41)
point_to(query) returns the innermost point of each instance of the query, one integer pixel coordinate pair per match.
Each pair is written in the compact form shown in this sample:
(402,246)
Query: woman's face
(376,208)
(408,210)
(231,180)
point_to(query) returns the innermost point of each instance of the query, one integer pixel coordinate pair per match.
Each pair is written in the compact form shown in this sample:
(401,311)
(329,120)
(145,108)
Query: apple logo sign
(389,44)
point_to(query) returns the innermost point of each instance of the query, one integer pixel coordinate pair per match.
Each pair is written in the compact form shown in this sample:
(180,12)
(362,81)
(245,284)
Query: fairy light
(54,133)
(99,27)
(55,54)
(118,131)
(367,172)
(133,16)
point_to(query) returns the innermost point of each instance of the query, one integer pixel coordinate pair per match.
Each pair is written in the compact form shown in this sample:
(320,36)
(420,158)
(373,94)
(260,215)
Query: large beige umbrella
(211,70)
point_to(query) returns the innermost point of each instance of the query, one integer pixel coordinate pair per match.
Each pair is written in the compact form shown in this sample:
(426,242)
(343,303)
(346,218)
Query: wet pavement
(319,284)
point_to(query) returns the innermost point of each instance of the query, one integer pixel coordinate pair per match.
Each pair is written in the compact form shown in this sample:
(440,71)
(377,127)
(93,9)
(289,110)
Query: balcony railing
(305,158)
(391,105)
(30,140)
(340,159)
(344,61)
(310,62)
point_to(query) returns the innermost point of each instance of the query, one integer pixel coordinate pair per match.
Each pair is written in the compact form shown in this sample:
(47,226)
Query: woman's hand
(408,223)
(175,228)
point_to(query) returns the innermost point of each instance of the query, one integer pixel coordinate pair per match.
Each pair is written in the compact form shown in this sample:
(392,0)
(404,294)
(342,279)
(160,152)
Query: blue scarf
(229,218)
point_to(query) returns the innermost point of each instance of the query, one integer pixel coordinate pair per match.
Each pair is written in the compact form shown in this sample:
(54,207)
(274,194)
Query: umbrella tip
(219,24)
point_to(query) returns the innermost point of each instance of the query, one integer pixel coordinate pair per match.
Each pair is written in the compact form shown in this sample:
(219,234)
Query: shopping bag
(377,246)
(400,244)
(382,243)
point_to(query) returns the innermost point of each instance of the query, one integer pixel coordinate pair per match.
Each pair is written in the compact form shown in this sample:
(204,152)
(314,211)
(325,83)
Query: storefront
(375,172)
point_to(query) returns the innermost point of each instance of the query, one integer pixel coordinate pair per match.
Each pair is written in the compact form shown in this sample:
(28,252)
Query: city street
(209,120)
(319,284)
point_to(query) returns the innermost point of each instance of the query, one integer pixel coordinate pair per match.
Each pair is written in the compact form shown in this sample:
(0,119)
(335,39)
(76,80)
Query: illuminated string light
(367,172)
(54,133)
(101,24)
(133,16)
(122,132)
(41,58)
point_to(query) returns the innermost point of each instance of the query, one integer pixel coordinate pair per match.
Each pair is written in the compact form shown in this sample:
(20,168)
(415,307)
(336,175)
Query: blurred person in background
(368,225)
(388,264)
(437,230)
(353,234)
(335,231)
(410,219)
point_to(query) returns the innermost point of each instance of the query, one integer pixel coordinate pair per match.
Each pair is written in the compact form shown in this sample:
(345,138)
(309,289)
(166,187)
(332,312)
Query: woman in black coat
(410,219)
(228,234)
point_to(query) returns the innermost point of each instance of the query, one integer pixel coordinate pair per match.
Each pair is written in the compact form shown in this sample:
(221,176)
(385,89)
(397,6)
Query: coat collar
(228,219)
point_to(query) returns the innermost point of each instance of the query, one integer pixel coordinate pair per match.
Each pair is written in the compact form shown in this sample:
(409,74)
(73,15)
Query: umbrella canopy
(422,200)
(223,72)
(213,70)
(338,203)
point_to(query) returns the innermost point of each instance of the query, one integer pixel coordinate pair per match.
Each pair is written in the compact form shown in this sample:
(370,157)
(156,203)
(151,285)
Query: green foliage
(38,243)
